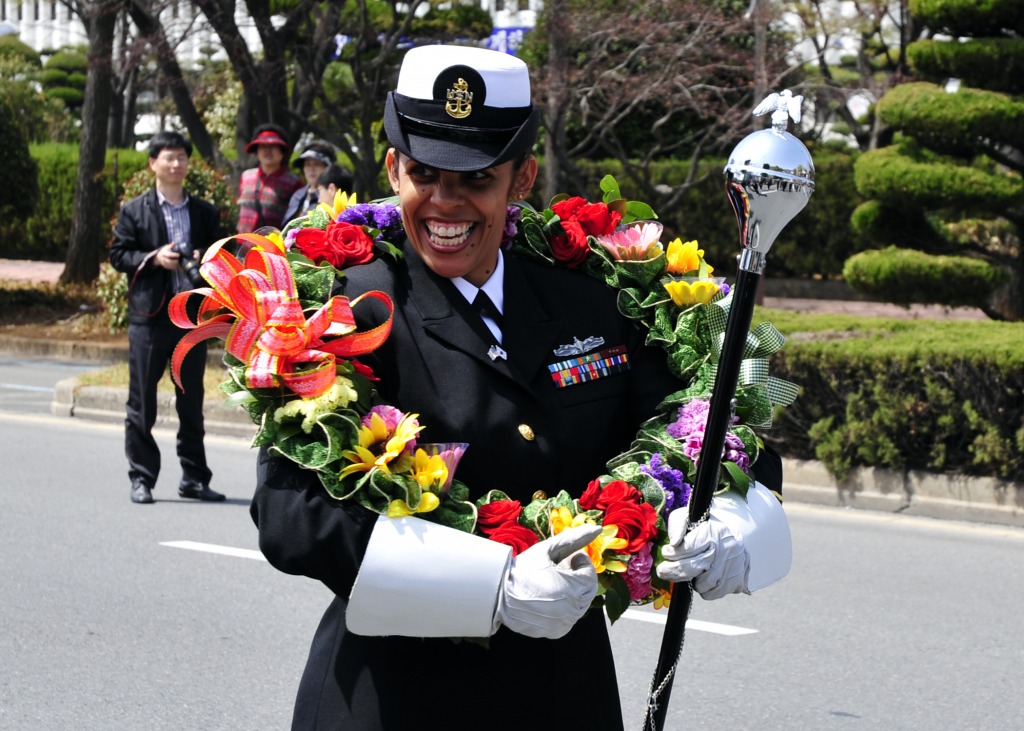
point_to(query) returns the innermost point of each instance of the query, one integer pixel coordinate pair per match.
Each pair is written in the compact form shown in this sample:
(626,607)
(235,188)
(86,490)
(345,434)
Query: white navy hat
(461,108)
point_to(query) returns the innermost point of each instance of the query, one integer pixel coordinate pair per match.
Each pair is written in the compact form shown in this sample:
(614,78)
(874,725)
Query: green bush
(70,96)
(68,61)
(52,77)
(987,63)
(112,289)
(905,175)
(907,276)
(44,235)
(953,123)
(20,190)
(13,48)
(969,17)
(903,394)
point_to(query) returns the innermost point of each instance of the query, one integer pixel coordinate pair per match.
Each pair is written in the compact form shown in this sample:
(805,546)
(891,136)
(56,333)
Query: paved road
(108,622)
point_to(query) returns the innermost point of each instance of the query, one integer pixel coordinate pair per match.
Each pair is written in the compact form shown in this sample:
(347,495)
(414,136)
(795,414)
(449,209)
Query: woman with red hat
(264,191)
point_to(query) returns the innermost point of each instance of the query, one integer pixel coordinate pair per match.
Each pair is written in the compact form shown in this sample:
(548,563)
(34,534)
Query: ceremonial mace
(769,179)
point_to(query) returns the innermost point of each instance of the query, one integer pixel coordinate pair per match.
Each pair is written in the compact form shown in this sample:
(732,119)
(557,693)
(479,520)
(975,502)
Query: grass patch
(116,376)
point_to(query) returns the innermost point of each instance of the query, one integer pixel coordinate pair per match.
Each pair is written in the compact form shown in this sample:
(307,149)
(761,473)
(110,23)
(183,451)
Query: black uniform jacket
(524,434)
(141,230)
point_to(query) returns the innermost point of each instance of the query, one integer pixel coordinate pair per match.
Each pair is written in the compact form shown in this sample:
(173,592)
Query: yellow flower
(429,470)
(683,258)
(400,509)
(278,240)
(562,518)
(662,599)
(342,201)
(607,542)
(685,294)
(378,447)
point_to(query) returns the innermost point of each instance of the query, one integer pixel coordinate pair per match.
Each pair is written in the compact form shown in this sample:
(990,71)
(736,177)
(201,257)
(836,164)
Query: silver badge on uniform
(579,347)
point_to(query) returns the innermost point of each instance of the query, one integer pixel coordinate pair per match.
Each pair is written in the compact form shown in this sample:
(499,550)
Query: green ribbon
(765,391)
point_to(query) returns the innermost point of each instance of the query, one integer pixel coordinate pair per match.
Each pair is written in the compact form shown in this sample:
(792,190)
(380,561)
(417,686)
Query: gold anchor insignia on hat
(460,100)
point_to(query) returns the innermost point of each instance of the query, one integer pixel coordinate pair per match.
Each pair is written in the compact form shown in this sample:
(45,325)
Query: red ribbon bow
(253,305)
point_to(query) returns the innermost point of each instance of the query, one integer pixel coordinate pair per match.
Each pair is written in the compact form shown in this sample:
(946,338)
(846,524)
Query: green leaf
(616,596)
(610,188)
(740,479)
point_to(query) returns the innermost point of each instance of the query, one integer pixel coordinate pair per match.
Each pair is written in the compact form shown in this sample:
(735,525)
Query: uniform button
(526,432)
(539,495)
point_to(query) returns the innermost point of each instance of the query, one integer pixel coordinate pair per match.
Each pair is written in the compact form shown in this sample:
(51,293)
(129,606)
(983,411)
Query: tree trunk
(82,264)
(153,31)
(558,70)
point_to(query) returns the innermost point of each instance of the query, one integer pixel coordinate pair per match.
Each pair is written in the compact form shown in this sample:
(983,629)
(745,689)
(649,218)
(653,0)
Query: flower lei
(301,381)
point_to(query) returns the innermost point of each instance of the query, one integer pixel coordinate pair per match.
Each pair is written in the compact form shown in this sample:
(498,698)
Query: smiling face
(454,221)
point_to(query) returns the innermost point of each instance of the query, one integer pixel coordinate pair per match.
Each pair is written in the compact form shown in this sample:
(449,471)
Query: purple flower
(689,426)
(691,419)
(638,574)
(509,232)
(384,217)
(677,490)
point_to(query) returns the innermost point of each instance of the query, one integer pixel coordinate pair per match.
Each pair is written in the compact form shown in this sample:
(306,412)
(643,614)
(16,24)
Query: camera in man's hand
(188,263)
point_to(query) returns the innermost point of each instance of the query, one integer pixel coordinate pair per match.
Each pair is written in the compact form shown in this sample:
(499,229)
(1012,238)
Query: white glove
(549,586)
(710,555)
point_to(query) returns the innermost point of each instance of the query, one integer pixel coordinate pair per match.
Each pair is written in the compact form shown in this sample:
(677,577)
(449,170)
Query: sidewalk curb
(924,494)
(107,404)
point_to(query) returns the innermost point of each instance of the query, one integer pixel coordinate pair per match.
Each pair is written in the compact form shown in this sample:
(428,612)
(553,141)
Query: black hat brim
(458,155)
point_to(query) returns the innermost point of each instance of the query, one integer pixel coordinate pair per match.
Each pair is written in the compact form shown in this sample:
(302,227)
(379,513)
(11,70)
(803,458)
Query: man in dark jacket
(157,242)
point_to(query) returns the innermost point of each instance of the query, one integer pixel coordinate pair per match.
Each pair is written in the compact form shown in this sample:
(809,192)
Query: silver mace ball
(769,179)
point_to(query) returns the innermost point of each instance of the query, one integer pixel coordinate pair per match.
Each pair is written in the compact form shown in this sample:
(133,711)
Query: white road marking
(635,614)
(22,387)
(694,624)
(213,548)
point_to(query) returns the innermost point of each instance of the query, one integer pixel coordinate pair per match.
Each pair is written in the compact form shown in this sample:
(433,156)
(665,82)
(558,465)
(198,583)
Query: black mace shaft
(720,415)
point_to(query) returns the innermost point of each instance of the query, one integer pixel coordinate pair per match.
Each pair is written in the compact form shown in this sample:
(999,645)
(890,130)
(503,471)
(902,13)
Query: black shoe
(141,492)
(199,491)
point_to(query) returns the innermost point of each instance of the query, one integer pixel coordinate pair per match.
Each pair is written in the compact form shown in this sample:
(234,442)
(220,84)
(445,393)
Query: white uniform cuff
(760,524)
(421,579)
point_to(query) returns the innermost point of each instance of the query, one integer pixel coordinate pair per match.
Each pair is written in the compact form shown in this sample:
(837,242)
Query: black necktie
(482,303)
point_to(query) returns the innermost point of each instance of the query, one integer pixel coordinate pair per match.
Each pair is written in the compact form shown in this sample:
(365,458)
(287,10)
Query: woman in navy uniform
(476,370)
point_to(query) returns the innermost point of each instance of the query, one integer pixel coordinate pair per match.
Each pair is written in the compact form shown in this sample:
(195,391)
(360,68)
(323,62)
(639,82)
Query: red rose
(596,498)
(519,537)
(341,245)
(496,514)
(637,523)
(597,219)
(579,220)
(571,248)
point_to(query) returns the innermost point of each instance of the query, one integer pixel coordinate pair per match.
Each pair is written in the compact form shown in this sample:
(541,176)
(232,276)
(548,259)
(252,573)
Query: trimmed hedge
(903,394)
(906,175)
(996,64)
(20,190)
(953,123)
(907,276)
(969,17)
(44,235)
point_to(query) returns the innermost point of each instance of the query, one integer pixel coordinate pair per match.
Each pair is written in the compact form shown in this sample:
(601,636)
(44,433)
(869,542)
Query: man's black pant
(149,353)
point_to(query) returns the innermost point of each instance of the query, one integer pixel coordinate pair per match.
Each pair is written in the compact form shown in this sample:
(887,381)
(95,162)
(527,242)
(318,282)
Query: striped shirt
(179,228)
